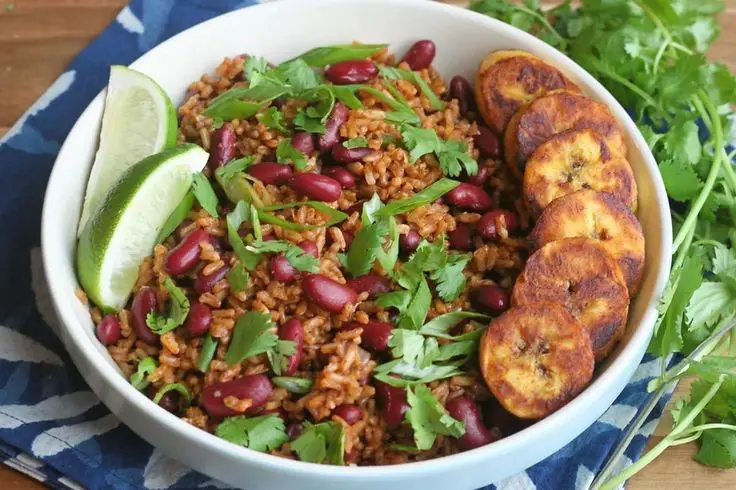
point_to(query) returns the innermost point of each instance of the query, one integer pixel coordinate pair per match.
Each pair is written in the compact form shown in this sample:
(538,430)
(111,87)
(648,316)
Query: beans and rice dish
(319,327)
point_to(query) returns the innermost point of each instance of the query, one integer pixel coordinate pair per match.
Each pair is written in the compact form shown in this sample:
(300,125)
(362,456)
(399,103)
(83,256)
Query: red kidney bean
(303,141)
(293,431)
(222,146)
(349,413)
(393,403)
(332,127)
(353,71)
(292,330)
(282,270)
(269,237)
(349,155)
(183,257)
(348,236)
(466,410)
(170,402)
(480,178)
(270,173)
(408,242)
(487,226)
(204,284)
(198,320)
(461,90)
(420,55)
(341,175)
(490,299)
(108,330)
(461,238)
(254,387)
(328,294)
(370,283)
(316,186)
(375,335)
(487,143)
(310,247)
(469,197)
(144,302)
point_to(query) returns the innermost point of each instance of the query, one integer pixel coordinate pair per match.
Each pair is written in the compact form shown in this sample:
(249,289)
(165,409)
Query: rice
(334,358)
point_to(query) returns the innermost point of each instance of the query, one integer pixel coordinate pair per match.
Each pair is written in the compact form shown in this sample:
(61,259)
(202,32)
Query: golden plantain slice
(598,215)
(574,160)
(508,79)
(552,114)
(579,274)
(535,359)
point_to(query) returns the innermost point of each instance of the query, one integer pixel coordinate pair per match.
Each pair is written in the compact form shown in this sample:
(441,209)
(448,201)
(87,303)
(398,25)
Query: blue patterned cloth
(54,428)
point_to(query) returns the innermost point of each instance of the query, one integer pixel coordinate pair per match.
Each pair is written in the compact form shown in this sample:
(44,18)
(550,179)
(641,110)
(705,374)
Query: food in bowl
(336,286)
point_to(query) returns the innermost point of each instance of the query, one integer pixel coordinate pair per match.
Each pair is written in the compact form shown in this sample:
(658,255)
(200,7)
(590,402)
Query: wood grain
(38,38)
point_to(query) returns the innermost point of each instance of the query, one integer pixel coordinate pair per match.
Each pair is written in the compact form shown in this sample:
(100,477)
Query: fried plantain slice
(598,215)
(574,160)
(552,114)
(508,79)
(535,359)
(579,274)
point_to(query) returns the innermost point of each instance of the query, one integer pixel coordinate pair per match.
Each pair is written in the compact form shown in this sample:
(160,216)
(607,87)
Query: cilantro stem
(682,253)
(709,122)
(669,440)
(704,427)
(686,440)
(660,52)
(542,20)
(634,88)
(697,206)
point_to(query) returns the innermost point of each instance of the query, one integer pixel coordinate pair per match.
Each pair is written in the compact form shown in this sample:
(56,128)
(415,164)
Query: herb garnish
(178,311)
(452,155)
(329,55)
(176,217)
(254,334)
(428,418)
(205,194)
(139,379)
(263,433)
(286,153)
(178,387)
(321,443)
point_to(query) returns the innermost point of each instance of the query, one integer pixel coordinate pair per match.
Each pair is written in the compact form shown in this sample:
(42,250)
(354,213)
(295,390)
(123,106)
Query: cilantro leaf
(359,142)
(254,334)
(278,354)
(321,443)
(273,118)
(450,280)
(717,449)
(334,215)
(207,353)
(178,387)
(724,259)
(234,219)
(683,283)
(682,139)
(177,314)
(420,142)
(305,122)
(680,180)
(297,257)
(391,73)
(263,433)
(176,217)
(364,249)
(425,196)
(439,326)
(329,55)
(238,278)
(254,64)
(139,379)
(286,153)
(429,419)
(710,302)
(452,155)
(293,384)
(411,375)
(416,311)
(297,74)
(205,194)
(234,167)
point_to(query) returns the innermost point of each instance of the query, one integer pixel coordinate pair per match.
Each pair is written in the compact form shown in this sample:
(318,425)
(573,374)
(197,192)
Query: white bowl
(279,31)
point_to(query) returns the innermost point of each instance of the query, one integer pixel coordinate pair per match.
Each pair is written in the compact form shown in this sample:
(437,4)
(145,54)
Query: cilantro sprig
(650,55)
(255,334)
(452,155)
(177,314)
(263,433)
(428,418)
(321,443)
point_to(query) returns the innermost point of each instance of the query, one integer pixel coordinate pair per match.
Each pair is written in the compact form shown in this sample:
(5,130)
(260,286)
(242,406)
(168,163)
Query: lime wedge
(139,120)
(122,231)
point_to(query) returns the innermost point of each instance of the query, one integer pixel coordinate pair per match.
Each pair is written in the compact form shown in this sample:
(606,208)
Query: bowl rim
(545,427)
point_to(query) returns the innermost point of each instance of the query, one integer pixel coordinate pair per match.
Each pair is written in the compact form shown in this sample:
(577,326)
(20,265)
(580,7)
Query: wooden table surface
(39,37)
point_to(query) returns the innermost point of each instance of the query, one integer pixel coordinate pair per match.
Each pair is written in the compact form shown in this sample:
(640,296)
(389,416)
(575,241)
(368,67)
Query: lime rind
(123,229)
(139,120)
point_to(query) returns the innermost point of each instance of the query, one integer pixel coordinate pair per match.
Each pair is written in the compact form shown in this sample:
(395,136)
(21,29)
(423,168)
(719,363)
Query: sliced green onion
(293,384)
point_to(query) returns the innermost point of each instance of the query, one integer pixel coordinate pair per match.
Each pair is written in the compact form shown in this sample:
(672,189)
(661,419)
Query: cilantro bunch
(651,55)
